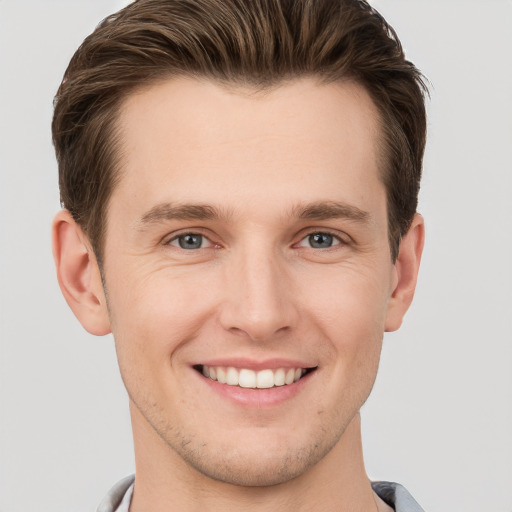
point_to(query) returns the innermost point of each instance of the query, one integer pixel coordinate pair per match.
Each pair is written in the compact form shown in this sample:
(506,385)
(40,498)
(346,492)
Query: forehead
(181,134)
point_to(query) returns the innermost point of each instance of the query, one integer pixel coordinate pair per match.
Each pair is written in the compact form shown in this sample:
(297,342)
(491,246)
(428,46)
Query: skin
(273,169)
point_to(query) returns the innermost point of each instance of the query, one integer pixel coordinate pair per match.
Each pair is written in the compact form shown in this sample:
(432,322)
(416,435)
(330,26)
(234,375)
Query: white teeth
(279,377)
(246,378)
(265,379)
(290,375)
(232,376)
(221,375)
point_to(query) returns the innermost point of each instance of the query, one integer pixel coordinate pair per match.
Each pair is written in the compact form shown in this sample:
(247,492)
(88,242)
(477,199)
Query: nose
(258,296)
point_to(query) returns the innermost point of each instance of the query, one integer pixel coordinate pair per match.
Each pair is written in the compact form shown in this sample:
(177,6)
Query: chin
(261,465)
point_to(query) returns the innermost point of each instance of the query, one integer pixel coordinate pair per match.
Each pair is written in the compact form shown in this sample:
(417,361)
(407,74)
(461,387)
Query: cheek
(152,316)
(351,312)
(348,300)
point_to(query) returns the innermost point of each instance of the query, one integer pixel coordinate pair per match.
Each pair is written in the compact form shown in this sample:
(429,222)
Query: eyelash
(337,240)
(177,237)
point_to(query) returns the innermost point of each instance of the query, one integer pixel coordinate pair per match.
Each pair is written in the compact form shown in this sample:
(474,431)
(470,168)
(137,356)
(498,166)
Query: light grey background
(440,417)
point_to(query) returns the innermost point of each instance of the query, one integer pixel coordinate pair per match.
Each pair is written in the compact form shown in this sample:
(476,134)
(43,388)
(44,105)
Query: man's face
(247,238)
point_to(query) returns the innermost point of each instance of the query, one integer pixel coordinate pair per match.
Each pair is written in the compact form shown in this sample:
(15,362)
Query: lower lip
(257,398)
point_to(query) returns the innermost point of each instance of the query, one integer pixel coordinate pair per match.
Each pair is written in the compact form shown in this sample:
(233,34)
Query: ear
(406,273)
(79,275)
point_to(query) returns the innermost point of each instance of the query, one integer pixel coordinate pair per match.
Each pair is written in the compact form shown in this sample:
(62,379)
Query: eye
(190,241)
(319,240)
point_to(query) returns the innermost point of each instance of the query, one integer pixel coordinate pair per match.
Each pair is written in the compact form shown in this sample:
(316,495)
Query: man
(239,182)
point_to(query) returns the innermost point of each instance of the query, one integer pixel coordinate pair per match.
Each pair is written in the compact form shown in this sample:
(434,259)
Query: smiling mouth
(246,378)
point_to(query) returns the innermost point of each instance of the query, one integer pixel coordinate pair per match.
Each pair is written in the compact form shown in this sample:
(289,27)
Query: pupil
(190,241)
(320,240)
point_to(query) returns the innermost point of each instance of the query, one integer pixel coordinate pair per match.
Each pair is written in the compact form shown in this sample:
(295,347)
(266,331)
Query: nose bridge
(257,300)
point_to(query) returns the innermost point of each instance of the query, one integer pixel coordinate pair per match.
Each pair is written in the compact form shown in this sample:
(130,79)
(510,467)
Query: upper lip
(256,365)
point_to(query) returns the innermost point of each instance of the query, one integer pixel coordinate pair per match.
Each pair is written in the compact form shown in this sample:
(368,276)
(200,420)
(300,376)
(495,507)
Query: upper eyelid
(210,244)
(169,237)
(338,239)
(342,236)
(339,235)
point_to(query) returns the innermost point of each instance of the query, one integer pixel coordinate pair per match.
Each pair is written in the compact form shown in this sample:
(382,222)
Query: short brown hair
(248,42)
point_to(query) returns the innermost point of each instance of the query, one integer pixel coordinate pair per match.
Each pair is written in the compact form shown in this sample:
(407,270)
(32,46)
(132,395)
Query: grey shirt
(396,496)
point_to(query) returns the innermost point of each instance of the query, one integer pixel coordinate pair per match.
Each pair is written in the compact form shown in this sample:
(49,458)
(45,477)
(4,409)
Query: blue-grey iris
(190,241)
(321,240)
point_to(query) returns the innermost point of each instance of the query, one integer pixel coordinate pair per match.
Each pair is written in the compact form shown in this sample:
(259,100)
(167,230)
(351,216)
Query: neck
(165,483)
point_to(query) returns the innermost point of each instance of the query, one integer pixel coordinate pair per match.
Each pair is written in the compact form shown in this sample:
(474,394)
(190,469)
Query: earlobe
(406,272)
(79,275)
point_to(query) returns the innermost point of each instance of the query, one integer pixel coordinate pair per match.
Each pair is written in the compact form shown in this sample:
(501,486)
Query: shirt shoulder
(119,497)
(396,496)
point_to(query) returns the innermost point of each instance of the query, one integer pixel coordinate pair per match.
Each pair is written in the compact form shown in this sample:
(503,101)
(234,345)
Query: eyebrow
(322,210)
(325,210)
(167,211)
